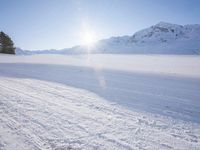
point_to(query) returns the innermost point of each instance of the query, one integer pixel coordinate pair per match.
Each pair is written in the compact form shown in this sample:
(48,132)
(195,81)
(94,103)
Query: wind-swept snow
(99,102)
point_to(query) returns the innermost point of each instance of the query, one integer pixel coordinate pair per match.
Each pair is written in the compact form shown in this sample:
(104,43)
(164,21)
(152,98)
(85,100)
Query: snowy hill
(162,38)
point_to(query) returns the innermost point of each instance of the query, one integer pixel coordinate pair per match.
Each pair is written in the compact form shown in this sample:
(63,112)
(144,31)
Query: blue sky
(57,24)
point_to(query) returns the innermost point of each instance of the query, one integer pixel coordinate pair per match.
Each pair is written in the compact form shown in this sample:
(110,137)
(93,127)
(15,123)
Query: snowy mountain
(162,38)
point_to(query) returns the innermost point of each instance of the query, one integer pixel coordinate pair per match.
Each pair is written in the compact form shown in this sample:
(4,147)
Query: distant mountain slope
(162,38)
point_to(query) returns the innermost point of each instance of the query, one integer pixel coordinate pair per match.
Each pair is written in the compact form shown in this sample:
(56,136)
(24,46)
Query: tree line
(6,44)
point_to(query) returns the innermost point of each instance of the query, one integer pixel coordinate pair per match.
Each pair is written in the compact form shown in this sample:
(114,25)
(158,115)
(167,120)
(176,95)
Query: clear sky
(57,24)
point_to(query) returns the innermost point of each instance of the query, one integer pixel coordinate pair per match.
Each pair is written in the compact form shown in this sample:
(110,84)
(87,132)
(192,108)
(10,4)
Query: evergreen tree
(6,44)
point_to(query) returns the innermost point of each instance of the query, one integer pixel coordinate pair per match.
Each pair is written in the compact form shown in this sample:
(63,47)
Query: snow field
(42,115)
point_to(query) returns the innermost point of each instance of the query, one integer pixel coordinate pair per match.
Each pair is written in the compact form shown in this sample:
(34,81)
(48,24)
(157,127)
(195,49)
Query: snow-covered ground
(181,65)
(99,102)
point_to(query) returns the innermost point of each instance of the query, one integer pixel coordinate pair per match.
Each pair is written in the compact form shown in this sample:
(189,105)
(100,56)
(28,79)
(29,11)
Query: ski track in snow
(42,115)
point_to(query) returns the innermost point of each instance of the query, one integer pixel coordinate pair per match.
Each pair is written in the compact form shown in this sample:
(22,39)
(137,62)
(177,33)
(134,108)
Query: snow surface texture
(41,115)
(162,38)
(48,105)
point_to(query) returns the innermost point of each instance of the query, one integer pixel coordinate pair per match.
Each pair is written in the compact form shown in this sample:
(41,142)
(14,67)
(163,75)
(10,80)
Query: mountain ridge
(161,38)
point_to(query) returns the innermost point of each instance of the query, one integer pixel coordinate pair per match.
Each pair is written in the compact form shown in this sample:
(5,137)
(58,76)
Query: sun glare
(88,38)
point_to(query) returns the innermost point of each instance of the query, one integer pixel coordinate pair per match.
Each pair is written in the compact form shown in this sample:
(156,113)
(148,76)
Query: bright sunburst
(89,38)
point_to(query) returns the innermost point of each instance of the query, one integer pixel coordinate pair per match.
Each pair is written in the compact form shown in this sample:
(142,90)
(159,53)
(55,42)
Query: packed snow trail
(37,114)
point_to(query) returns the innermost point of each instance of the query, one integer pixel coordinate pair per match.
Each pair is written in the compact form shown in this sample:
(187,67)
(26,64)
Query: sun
(89,38)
